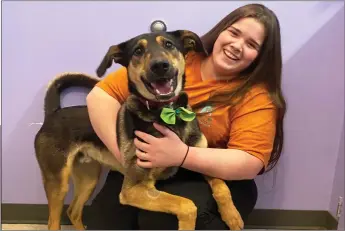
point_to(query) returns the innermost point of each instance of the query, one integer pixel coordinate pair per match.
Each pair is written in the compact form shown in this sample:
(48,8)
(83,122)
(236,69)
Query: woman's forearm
(103,110)
(226,164)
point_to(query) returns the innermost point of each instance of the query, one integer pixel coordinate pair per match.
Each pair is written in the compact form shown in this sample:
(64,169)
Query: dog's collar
(154,104)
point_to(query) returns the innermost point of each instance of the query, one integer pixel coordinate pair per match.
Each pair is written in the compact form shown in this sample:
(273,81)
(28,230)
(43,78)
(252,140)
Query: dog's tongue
(162,87)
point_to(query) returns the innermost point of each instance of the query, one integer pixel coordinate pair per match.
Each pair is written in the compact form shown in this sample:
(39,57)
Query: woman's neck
(209,72)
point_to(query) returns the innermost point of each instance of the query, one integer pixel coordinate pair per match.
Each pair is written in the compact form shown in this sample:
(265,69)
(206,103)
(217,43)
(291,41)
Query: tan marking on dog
(179,62)
(135,71)
(143,43)
(84,189)
(138,61)
(155,172)
(56,193)
(84,185)
(147,60)
(140,196)
(104,156)
(165,54)
(160,39)
(222,195)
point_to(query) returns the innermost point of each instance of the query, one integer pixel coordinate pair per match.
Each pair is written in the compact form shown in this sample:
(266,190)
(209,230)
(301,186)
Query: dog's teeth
(157,91)
(171,88)
(170,81)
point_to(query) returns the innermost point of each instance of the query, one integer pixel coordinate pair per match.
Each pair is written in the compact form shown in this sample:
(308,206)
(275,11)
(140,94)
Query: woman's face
(238,46)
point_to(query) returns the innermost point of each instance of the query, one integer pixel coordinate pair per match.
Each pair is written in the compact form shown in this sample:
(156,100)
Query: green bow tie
(168,115)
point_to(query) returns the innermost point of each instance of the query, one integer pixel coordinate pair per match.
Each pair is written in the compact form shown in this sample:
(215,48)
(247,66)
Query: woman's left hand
(159,152)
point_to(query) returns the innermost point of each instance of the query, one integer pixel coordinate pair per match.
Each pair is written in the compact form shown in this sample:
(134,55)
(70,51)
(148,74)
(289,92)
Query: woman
(236,92)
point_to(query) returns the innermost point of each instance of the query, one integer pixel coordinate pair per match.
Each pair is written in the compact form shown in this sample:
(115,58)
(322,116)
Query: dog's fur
(66,145)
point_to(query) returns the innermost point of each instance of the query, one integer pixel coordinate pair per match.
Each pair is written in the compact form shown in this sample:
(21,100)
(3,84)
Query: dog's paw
(235,221)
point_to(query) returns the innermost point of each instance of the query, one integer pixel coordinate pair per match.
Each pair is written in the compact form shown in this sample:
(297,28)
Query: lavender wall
(338,184)
(314,88)
(42,39)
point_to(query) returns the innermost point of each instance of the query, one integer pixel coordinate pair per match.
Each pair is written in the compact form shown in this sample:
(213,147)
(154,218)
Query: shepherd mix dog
(67,146)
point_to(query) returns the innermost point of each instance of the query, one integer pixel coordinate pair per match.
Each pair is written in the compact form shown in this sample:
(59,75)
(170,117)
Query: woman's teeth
(230,55)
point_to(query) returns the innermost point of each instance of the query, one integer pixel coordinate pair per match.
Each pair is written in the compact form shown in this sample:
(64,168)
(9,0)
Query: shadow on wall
(313,83)
(30,176)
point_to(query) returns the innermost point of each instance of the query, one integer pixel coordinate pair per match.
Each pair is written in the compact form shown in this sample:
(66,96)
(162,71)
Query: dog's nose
(160,67)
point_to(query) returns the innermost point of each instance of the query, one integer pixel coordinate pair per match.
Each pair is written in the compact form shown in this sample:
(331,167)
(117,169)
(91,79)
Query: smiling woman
(235,49)
(235,91)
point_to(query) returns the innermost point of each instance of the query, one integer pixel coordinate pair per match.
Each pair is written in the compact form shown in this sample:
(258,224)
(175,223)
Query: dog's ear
(116,53)
(190,41)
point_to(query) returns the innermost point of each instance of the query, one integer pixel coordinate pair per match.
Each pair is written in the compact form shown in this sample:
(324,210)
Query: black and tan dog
(66,145)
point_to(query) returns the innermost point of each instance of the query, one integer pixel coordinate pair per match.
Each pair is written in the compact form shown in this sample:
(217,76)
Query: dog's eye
(138,51)
(168,44)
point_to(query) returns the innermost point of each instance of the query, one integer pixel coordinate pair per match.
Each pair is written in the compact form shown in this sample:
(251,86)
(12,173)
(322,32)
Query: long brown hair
(266,69)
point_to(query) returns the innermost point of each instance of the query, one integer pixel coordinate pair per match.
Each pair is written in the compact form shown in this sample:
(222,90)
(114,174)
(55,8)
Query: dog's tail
(61,82)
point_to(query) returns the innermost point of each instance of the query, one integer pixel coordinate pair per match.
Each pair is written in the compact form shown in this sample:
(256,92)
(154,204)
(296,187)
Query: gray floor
(69,227)
(31,227)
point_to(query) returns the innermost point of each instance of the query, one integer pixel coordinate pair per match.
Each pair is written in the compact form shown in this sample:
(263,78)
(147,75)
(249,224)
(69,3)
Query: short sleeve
(116,84)
(253,126)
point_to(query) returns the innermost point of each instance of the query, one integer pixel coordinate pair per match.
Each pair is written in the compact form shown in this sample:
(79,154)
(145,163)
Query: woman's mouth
(230,55)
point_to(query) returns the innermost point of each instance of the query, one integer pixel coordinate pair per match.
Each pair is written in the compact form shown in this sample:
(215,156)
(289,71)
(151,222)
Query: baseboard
(291,219)
(259,219)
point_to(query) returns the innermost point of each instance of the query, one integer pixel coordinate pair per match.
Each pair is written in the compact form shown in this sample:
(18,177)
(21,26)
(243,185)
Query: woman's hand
(167,151)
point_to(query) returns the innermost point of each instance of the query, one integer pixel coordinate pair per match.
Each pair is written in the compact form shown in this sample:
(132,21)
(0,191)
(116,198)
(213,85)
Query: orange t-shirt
(248,126)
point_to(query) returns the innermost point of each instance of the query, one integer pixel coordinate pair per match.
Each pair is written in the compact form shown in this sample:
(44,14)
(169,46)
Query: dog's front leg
(145,196)
(226,207)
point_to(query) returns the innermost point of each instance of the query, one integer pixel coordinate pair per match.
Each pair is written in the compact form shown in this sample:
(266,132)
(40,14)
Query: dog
(67,146)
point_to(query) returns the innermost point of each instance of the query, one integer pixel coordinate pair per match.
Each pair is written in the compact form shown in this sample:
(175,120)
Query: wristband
(185,156)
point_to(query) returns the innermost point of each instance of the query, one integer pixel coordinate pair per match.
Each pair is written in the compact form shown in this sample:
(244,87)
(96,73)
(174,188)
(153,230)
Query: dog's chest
(147,126)
(138,117)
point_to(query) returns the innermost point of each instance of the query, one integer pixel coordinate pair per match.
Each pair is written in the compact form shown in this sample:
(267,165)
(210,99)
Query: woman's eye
(251,45)
(233,33)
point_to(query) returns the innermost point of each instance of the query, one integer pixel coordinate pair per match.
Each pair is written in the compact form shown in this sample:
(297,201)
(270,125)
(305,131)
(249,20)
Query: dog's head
(155,62)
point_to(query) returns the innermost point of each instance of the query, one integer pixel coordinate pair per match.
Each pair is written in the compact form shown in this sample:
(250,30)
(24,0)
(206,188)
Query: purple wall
(314,88)
(43,39)
(338,184)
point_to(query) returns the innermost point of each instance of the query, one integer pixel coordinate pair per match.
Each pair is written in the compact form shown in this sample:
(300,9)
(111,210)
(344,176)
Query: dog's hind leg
(85,178)
(226,207)
(222,195)
(145,196)
(56,188)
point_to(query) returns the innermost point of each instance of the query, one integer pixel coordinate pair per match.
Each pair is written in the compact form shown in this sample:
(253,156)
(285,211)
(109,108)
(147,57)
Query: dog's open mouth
(161,87)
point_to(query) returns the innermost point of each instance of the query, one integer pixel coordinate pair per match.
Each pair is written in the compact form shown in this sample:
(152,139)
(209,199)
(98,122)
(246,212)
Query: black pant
(107,213)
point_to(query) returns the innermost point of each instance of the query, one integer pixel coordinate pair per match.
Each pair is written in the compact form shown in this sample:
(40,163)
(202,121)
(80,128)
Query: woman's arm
(226,164)
(103,111)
